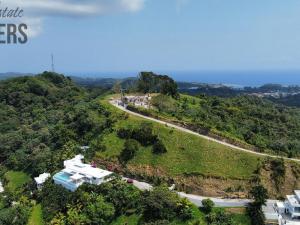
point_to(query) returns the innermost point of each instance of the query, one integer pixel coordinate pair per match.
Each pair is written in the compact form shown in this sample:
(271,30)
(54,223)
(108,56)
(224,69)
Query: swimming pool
(62,176)
(63,179)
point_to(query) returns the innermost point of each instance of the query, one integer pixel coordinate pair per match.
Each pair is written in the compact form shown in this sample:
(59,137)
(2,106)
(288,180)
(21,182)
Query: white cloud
(36,10)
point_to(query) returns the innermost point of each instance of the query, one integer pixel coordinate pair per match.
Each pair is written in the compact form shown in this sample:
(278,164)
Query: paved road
(199,135)
(269,211)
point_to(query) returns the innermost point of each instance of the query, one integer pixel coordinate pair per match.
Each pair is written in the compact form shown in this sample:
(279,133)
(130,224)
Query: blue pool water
(62,176)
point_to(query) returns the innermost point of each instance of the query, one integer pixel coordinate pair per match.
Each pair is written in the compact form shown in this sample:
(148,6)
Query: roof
(293,200)
(75,165)
(76,176)
(280,205)
(42,178)
(297,192)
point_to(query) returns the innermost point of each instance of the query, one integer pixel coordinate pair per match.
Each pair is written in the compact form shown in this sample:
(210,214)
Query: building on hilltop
(77,173)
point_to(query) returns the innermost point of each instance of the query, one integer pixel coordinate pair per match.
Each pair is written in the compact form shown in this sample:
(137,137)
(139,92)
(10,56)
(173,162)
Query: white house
(292,204)
(289,210)
(76,173)
(40,180)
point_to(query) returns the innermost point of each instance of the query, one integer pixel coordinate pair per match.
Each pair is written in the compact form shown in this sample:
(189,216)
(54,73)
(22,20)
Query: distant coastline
(236,79)
(228,78)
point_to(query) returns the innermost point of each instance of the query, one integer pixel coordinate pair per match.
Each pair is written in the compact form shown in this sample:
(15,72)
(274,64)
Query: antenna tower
(52,63)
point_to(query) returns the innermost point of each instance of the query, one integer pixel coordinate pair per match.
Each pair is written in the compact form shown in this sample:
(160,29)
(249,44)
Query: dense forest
(153,83)
(253,120)
(43,121)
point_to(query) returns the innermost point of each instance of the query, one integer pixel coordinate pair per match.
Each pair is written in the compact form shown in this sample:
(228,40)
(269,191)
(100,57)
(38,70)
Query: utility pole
(52,63)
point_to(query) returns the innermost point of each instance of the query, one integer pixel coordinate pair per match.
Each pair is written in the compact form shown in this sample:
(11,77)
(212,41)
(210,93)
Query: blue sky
(158,35)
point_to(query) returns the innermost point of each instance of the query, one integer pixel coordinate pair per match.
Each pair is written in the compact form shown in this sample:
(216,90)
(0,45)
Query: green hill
(248,121)
(43,119)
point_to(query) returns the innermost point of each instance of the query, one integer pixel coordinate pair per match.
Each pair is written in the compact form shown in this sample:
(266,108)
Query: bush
(207,205)
(159,204)
(144,134)
(256,214)
(124,133)
(184,209)
(159,147)
(219,217)
(130,148)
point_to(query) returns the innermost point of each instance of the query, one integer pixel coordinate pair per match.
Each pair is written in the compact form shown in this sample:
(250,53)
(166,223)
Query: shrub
(159,147)
(219,217)
(130,148)
(184,209)
(124,133)
(208,205)
(159,204)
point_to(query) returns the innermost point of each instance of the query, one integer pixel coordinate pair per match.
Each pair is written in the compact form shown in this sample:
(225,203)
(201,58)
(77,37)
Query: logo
(12,33)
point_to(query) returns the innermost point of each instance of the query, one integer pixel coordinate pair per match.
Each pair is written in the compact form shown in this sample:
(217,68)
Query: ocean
(231,78)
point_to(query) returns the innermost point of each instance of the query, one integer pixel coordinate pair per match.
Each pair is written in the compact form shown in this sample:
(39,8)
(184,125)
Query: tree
(256,214)
(129,151)
(254,209)
(208,205)
(151,82)
(260,195)
(159,204)
(54,198)
(159,147)
(75,216)
(184,209)
(117,88)
(99,212)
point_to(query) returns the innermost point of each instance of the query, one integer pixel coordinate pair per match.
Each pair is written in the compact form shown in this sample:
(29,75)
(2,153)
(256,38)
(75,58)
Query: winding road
(115,103)
(269,210)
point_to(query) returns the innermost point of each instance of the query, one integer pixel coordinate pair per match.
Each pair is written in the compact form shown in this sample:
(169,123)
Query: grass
(241,219)
(16,180)
(187,153)
(36,216)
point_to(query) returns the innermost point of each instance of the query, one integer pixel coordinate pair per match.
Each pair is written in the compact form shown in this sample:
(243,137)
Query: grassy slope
(187,154)
(16,179)
(36,217)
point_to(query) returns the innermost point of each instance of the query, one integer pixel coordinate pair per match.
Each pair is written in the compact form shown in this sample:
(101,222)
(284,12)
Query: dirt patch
(210,186)
(240,211)
(215,187)
(290,181)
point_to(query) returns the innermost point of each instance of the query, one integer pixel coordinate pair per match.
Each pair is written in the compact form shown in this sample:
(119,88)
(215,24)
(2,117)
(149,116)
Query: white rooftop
(1,187)
(42,178)
(76,166)
(280,205)
(297,192)
(293,200)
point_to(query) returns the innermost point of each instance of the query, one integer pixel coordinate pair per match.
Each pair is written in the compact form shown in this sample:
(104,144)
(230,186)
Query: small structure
(143,101)
(40,180)
(1,187)
(77,173)
(292,204)
(289,210)
(84,148)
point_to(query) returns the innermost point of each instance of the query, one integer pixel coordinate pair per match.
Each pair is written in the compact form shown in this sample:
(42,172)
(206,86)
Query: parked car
(129,181)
